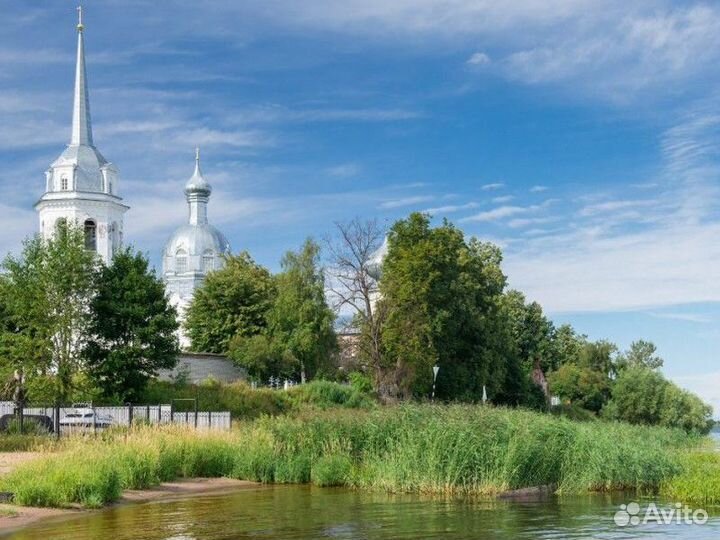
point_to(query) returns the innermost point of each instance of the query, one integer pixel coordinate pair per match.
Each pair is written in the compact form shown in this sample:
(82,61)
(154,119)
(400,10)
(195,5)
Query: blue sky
(581,136)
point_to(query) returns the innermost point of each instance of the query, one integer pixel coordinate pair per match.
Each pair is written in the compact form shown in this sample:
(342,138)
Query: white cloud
(502,199)
(344,170)
(405,201)
(538,189)
(705,385)
(495,214)
(677,316)
(449,209)
(478,59)
(492,187)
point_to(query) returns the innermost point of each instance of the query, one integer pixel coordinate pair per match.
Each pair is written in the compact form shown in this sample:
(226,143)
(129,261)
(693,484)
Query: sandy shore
(15,517)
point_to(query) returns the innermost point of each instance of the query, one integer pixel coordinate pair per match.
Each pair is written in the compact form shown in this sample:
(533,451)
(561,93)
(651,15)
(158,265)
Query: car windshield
(88,415)
(73,415)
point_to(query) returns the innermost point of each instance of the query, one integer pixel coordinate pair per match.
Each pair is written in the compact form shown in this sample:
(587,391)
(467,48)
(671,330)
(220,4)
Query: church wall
(200,367)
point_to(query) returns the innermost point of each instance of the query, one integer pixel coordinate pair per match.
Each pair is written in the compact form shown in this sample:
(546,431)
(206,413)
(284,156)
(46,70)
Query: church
(82,187)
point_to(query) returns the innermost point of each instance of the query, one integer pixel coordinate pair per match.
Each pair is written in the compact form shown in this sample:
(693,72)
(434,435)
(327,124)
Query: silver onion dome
(195,248)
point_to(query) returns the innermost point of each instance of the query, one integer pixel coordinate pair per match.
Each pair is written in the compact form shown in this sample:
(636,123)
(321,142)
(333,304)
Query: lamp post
(435,368)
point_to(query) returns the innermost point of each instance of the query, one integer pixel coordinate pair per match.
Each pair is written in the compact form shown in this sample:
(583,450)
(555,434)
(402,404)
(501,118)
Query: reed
(456,449)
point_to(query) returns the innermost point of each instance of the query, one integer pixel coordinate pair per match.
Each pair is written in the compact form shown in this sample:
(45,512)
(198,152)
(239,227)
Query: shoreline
(24,516)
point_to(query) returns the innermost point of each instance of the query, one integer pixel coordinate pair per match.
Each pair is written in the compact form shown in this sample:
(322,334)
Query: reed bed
(471,450)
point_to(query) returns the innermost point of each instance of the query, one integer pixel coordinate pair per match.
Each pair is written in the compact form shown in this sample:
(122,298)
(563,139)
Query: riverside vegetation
(433,449)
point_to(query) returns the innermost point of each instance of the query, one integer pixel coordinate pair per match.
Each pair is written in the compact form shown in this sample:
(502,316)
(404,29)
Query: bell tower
(81,186)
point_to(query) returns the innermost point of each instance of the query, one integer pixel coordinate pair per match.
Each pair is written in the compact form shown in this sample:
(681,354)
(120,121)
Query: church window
(64,183)
(208,261)
(90,235)
(181,262)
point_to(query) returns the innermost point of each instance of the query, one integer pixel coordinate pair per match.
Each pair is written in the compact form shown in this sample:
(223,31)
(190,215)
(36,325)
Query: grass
(245,403)
(23,443)
(699,479)
(471,450)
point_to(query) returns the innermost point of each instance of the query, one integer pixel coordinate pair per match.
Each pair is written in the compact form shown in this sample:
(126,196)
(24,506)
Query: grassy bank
(698,481)
(421,448)
(245,403)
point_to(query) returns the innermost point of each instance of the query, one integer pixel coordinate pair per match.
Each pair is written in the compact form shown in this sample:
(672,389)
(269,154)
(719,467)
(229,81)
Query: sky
(583,137)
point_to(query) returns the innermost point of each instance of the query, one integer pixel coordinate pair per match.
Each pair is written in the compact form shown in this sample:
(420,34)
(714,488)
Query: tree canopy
(133,327)
(233,301)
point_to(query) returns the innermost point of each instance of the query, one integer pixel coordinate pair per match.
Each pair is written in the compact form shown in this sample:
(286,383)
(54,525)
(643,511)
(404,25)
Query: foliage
(640,354)
(47,293)
(580,386)
(300,320)
(298,340)
(643,396)
(242,401)
(326,394)
(133,328)
(424,449)
(531,330)
(233,301)
(441,296)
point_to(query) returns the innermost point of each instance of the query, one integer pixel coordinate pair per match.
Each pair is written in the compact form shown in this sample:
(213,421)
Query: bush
(643,396)
(324,394)
(212,395)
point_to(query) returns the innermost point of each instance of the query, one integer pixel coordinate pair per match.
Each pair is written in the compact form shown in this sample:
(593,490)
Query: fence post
(172,413)
(130,414)
(196,413)
(209,419)
(94,421)
(56,414)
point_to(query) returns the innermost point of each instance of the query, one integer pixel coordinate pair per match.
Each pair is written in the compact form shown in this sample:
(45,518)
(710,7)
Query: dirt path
(10,460)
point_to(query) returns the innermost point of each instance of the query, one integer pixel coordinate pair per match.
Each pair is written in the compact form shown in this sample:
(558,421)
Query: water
(304,512)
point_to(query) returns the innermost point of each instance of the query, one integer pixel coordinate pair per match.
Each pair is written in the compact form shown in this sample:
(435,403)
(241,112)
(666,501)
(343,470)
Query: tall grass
(699,479)
(420,448)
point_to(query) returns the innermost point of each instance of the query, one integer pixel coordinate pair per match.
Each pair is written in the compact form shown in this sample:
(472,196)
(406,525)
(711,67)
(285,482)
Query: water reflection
(304,512)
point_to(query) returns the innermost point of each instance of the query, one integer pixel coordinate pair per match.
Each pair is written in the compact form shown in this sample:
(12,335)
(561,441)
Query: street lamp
(436,368)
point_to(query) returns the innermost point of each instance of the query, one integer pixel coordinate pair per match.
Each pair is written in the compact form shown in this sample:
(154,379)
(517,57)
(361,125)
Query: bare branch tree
(354,271)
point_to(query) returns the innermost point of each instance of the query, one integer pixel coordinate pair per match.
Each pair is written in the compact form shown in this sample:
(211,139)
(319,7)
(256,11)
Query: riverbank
(434,449)
(16,517)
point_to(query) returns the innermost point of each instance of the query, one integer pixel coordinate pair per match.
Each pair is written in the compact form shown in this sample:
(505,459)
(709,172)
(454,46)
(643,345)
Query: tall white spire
(81,125)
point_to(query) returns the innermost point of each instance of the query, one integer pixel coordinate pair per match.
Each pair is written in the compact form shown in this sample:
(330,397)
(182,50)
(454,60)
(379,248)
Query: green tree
(233,301)
(641,395)
(298,340)
(48,291)
(300,321)
(133,328)
(532,331)
(441,296)
(579,385)
(637,397)
(640,354)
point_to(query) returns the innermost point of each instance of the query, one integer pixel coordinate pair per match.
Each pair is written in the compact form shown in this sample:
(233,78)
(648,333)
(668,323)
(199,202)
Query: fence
(67,420)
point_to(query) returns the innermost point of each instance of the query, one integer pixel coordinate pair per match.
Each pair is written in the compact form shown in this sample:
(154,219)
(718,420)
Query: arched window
(208,261)
(181,262)
(115,237)
(90,235)
(64,183)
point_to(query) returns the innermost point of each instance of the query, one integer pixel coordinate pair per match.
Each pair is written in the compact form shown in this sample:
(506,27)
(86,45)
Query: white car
(85,416)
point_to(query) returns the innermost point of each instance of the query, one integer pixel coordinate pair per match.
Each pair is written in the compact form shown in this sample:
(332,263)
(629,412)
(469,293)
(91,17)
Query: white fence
(127,415)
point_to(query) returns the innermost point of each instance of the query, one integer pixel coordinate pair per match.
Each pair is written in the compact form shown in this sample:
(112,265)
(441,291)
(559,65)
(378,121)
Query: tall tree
(442,299)
(48,290)
(133,327)
(532,331)
(354,271)
(300,319)
(640,354)
(234,300)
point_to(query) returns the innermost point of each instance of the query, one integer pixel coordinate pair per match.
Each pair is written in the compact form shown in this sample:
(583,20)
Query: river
(305,512)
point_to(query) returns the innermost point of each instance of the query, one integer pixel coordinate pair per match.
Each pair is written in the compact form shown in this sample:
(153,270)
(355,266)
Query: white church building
(81,187)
